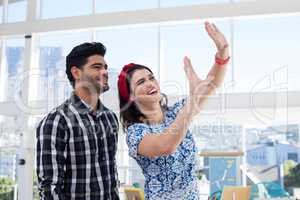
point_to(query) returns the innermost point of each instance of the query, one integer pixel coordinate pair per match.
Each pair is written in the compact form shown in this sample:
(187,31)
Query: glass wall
(16,11)
(265,54)
(52,84)
(55,8)
(174,3)
(264,59)
(12,68)
(67,8)
(126,45)
(190,40)
(1,11)
(10,138)
(103,6)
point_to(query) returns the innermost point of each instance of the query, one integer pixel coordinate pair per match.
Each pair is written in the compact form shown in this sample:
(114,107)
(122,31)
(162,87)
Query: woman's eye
(140,82)
(152,78)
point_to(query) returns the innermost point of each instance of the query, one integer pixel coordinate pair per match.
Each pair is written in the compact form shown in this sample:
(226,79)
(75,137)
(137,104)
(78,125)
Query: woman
(157,136)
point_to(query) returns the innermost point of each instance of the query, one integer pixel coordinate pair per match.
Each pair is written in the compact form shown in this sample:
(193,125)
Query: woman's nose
(149,84)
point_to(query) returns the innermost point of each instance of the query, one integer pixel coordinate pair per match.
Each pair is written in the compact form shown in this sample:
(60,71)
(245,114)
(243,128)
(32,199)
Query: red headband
(123,90)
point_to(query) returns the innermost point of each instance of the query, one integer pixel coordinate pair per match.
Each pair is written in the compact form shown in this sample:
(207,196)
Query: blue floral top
(168,177)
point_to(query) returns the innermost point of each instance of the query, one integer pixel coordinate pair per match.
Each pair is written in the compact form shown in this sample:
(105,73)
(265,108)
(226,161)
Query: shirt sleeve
(135,134)
(176,107)
(117,125)
(115,165)
(50,157)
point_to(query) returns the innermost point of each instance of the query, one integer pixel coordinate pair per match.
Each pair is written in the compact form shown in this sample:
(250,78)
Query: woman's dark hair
(129,112)
(79,55)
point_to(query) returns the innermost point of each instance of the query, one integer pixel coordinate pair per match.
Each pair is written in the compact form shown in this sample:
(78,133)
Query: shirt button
(103,158)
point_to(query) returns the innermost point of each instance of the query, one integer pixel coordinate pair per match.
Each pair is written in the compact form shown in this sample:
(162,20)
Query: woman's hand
(199,89)
(219,40)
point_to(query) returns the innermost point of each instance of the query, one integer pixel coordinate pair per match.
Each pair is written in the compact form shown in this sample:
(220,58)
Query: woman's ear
(131,98)
(76,72)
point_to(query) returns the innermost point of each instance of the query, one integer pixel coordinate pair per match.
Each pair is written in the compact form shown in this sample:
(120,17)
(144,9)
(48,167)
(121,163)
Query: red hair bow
(123,89)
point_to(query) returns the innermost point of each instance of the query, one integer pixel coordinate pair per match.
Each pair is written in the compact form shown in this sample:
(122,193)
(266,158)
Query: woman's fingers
(201,92)
(189,70)
(216,35)
(209,29)
(186,69)
(215,28)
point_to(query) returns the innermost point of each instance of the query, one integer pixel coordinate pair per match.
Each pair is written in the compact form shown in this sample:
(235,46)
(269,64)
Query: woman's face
(144,87)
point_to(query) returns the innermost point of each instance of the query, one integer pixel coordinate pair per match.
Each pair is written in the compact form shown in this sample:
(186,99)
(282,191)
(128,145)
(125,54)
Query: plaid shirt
(76,153)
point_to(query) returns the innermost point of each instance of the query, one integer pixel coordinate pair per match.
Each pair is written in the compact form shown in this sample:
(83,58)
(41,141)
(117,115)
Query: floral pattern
(168,177)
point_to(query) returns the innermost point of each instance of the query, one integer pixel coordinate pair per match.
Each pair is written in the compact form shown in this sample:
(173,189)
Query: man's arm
(50,155)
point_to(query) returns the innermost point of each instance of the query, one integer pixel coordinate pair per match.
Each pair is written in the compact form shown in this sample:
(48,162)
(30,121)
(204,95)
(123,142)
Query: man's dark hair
(79,54)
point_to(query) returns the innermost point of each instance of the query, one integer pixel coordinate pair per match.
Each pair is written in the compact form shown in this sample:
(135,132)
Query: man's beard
(94,85)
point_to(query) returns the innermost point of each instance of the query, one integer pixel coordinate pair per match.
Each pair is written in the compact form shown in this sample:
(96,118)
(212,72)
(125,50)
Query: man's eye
(98,66)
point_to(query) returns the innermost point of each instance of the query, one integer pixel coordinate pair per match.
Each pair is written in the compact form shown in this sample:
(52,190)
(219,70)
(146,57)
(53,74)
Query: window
(16,10)
(10,75)
(189,40)
(272,43)
(217,137)
(51,82)
(1,11)
(10,140)
(66,8)
(293,156)
(103,6)
(269,152)
(172,3)
(126,45)
(10,133)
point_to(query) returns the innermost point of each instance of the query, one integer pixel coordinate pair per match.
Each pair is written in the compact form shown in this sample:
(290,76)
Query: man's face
(94,75)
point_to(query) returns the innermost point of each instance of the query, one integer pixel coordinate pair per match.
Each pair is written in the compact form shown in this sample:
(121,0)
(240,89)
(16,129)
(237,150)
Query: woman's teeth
(154,91)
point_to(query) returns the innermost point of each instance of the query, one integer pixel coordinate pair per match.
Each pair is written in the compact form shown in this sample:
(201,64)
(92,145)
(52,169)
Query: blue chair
(268,190)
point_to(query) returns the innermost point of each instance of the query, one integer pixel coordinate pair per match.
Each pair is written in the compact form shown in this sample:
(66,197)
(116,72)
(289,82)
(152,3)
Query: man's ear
(76,72)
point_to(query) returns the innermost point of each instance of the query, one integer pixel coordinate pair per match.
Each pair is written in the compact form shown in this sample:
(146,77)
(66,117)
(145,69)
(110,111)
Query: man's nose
(105,72)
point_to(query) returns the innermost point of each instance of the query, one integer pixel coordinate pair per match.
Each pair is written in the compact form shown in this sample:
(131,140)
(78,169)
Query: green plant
(199,174)
(293,178)
(35,187)
(288,165)
(6,188)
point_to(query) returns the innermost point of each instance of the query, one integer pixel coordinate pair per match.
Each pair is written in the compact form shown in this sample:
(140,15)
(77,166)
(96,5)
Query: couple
(77,141)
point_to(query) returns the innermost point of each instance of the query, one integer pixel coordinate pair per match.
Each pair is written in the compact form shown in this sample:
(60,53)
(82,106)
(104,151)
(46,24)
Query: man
(77,141)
